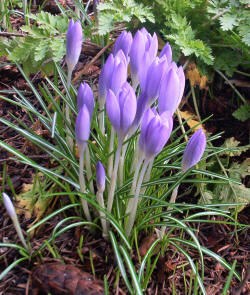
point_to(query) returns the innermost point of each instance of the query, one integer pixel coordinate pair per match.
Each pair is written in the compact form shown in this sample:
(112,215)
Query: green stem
(195,102)
(82,184)
(131,218)
(113,178)
(234,89)
(19,232)
(121,164)
(181,124)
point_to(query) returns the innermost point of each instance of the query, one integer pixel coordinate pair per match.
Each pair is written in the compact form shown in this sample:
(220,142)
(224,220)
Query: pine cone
(60,279)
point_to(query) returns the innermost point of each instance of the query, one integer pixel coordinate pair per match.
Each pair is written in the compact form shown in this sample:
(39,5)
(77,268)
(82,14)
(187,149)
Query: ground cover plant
(117,160)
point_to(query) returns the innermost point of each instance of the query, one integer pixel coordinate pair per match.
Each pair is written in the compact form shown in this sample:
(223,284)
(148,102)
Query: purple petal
(167,51)
(119,75)
(169,92)
(85,96)
(9,205)
(128,104)
(148,116)
(100,177)
(82,126)
(73,43)
(104,78)
(123,42)
(194,150)
(113,110)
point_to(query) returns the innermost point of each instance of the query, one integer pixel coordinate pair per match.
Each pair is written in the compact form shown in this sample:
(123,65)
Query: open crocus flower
(171,89)
(142,53)
(85,96)
(123,42)
(73,44)
(155,132)
(194,150)
(113,75)
(121,109)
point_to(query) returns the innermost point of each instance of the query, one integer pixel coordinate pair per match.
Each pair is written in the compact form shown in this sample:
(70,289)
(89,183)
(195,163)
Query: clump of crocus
(155,132)
(82,131)
(12,213)
(100,183)
(121,111)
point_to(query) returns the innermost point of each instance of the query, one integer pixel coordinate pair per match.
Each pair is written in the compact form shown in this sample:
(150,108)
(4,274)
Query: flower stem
(114,176)
(111,157)
(121,164)
(69,139)
(147,175)
(172,201)
(99,198)
(101,117)
(132,215)
(133,187)
(19,232)
(82,184)
(89,172)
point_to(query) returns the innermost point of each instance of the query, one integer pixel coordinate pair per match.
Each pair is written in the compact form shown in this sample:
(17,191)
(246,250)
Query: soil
(34,276)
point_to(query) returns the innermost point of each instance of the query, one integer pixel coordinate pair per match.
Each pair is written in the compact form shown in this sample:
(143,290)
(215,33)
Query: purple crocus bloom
(155,132)
(166,51)
(142,53)
(100,177)
(194,150)
(82,126)
(171,89)
(123,42)
(154,76)
(113,75)
(85,96)
(73,43)
(121,109)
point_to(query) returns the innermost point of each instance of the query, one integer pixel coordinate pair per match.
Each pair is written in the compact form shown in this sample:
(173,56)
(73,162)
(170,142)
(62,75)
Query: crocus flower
(85,96)
(155,132)
(123,42)
(171,89)
(166,51)
(143,51)
(121,109)
(73,43)
(82,126)
(194,150)
(153,79)
(12,213)
(113,75)
(100,177)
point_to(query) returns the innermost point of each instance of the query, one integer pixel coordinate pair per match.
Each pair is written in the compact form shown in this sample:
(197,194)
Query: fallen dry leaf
(194,76)
(191,122)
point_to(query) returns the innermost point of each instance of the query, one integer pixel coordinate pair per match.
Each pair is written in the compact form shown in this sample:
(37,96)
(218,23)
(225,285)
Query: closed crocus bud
(167,51)
(121,109)
(123,42)
(155,132)
(153,80)
(85,96)
(113,75)
(82,127)
(9,206)
(194,150)
(171,89)
(142,53)
(73,44)
(100,177)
